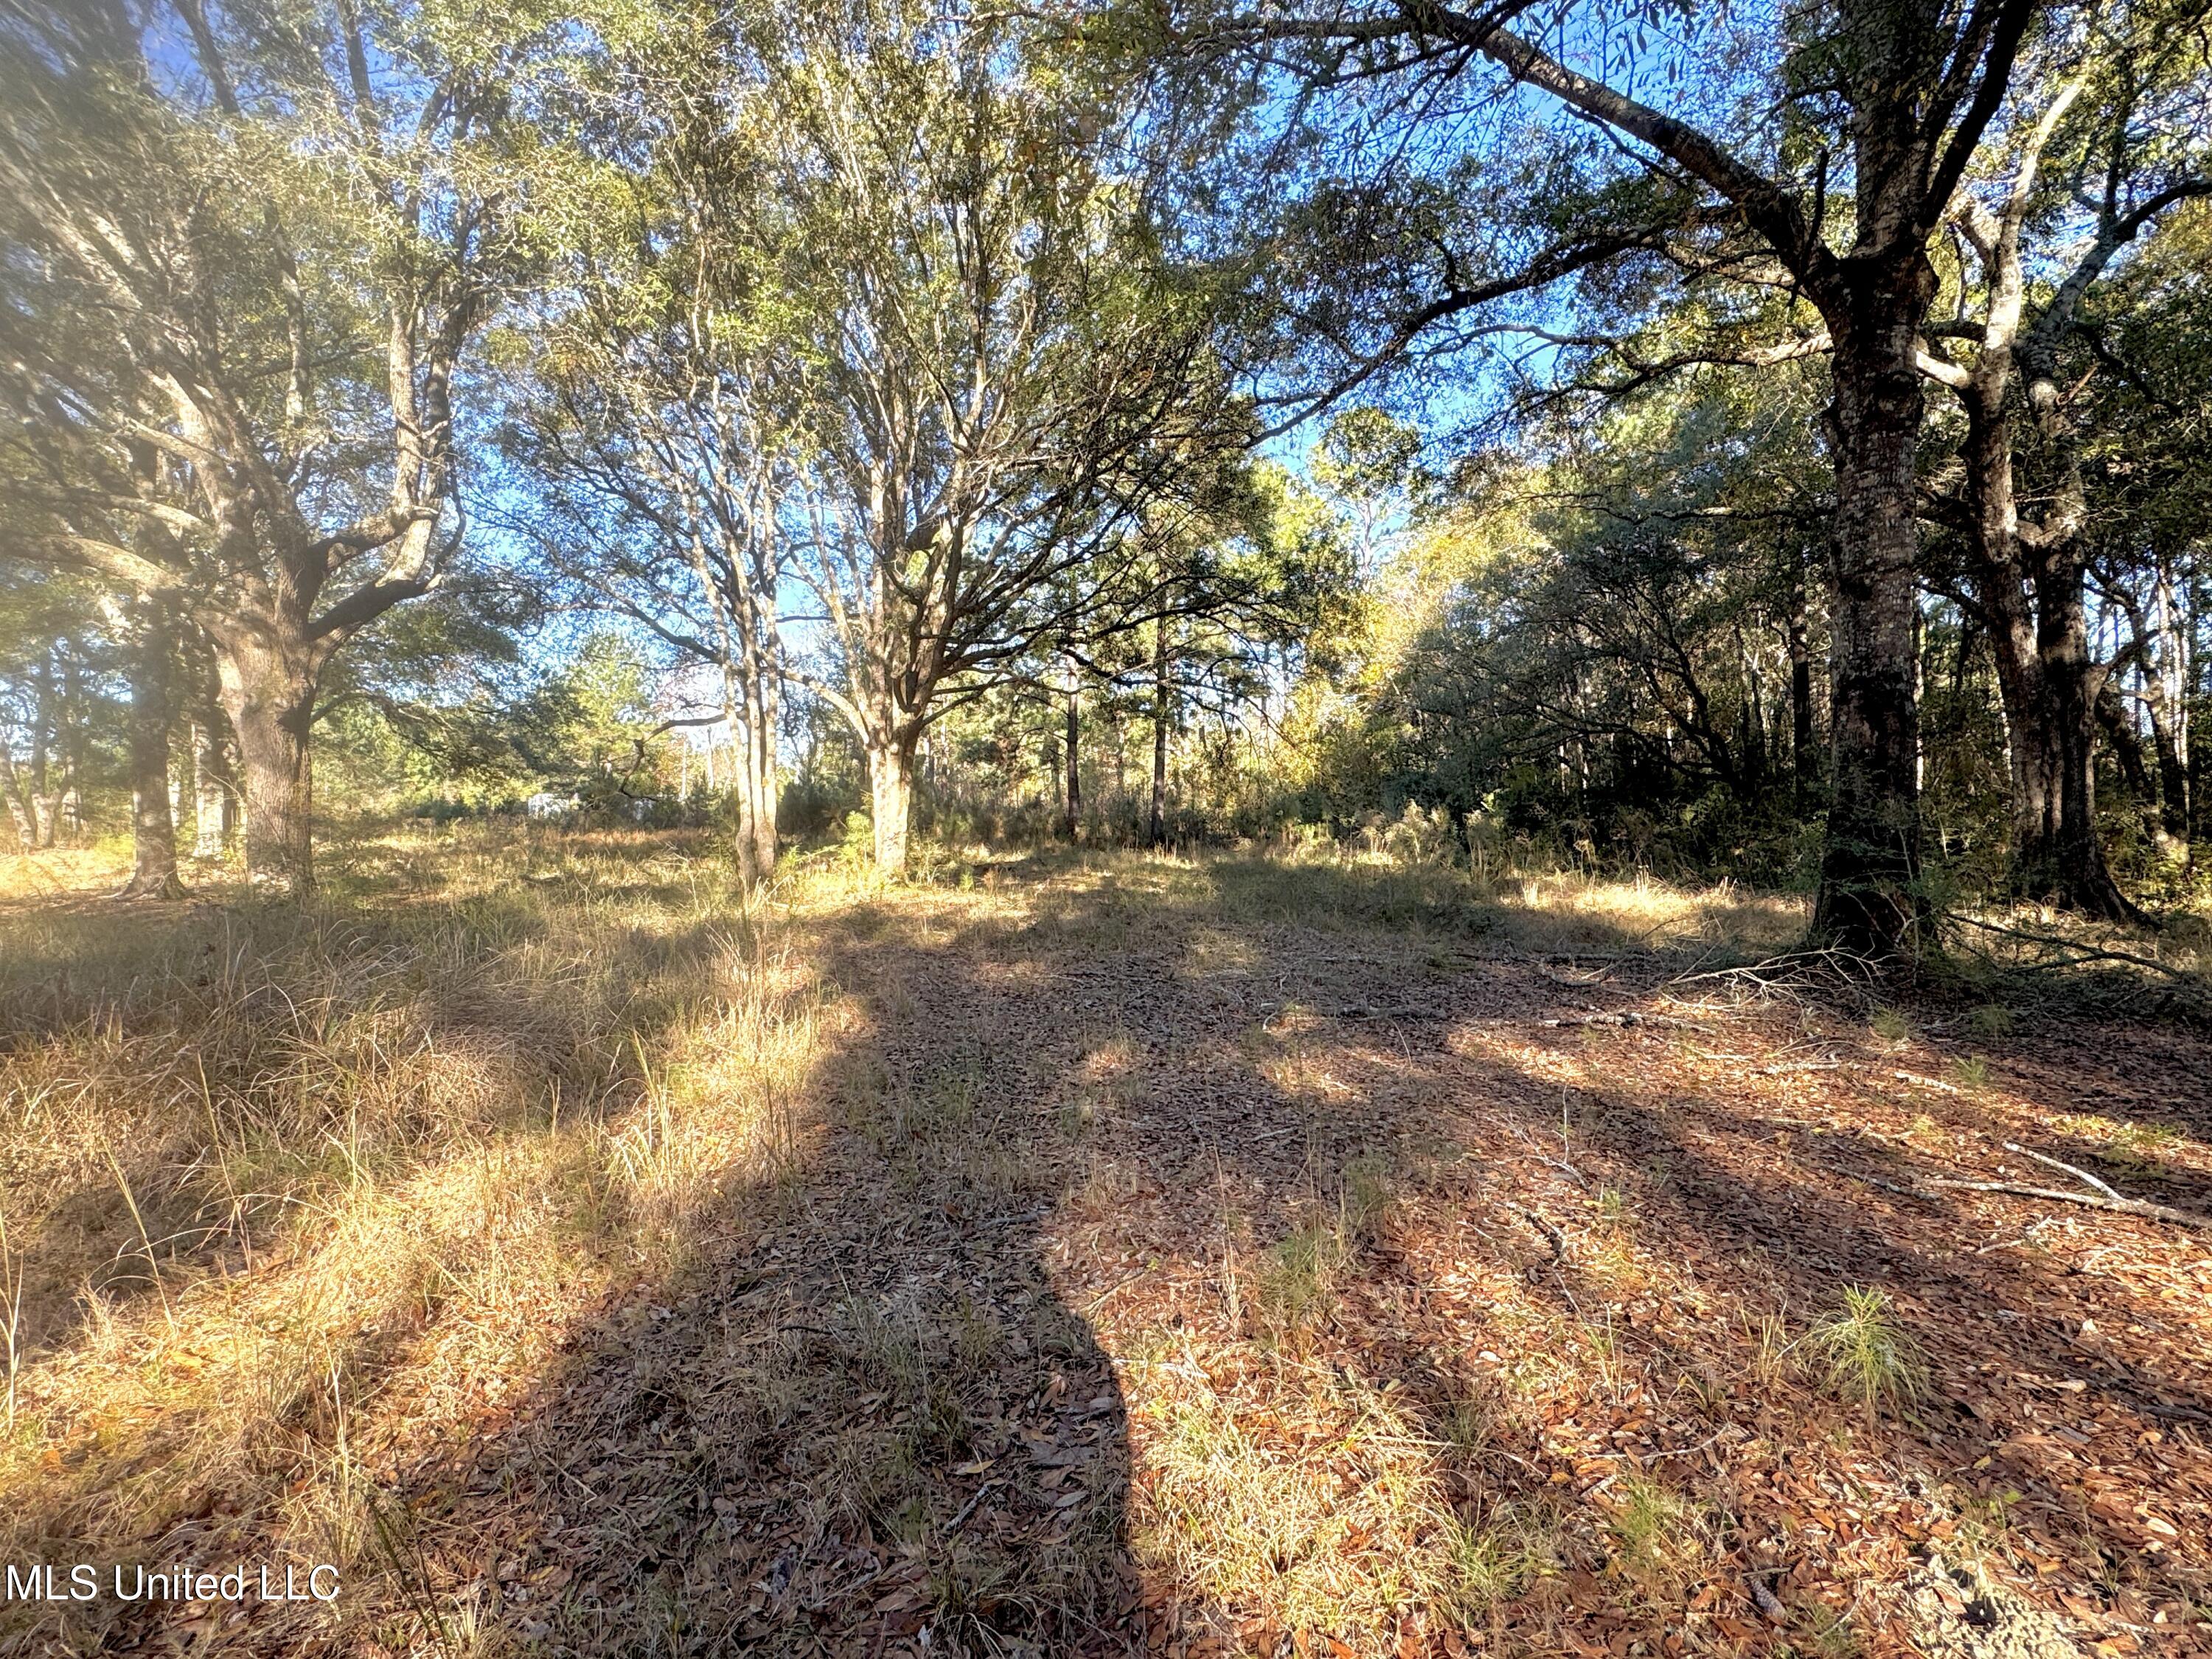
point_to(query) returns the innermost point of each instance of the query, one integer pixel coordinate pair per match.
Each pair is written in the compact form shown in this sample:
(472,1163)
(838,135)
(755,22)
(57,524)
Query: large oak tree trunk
(269,696)
(153,825)
(1869,899)
(761,793)
(2047,683)
(891,782)
(2058,856)
(2049,691)
(758,795)
(758,789)
(2172,779)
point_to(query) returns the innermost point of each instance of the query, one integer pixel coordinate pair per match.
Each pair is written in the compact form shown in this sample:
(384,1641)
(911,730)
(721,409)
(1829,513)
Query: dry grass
(291,1196)
(1076,1253)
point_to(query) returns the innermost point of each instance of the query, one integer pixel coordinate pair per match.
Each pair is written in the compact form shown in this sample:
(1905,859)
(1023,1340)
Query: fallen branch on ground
(1630,1020)
(2104,1199)
(2135,1207)
(1552,1236)
(1787,974)
(2081,1175)
(2083,952)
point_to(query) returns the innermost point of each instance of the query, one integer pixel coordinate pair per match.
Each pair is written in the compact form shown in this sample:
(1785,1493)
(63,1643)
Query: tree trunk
(2172,775)
(153,827)
(2048,685)
(2165,696)
(1074,800)
(214,769)
(2069,860)
(1160,713)
(2127,747)
(71,813)
(891,782)
(757,789)
(45,819)
(767,792)
(1804,757)
(269,696)
(1869,899)
(14,787)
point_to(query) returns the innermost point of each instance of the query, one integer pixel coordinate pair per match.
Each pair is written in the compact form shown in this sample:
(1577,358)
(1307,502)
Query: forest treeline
(1758,441)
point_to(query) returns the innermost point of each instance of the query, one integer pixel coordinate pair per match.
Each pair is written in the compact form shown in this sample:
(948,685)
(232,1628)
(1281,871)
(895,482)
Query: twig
(2081,1175)
(1557,978)
(2135,1207)
(1927,1082)
(2088,952)
(1688,1451)
(968,1508)
(1899,1188)
(1552,1236)
(1630,1020)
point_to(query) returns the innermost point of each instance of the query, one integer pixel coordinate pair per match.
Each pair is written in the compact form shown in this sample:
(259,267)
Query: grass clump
(282,1185)
(1239,1511)
(1971,1073)
(1989,1019)
(1294,1288)
(1861,1355)
(1891,1026)
(1496,1562)
(2139,1148)
(1656,1534)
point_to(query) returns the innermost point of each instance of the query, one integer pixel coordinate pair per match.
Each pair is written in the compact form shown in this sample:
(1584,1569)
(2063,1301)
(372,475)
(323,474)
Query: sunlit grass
(1341,1541)
(293,1203)
(290,1194)
(1864,1355)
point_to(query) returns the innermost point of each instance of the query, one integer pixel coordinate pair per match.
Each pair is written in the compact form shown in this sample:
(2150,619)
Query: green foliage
(1865,1357)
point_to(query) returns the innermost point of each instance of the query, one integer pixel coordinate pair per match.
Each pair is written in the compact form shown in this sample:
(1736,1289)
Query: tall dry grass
(288,1198)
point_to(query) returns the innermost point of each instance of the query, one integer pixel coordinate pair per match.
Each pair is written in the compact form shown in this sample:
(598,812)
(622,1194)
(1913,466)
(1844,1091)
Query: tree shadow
(912,1384)
(864,1421)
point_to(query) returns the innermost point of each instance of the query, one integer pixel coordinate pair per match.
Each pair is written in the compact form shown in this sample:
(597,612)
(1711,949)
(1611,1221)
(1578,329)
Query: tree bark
(2033,602)
(2062,860)
(1804,757)
(1161,707)
(2166,698)
(891,782)
(18,794)
(269,695)
(1074,803)
(2127,747)
(1869,901)
(153,826)
(2173,775)
(759,790)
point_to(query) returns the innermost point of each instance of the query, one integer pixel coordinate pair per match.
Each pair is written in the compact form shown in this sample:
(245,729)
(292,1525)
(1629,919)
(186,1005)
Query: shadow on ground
(1209,1259)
